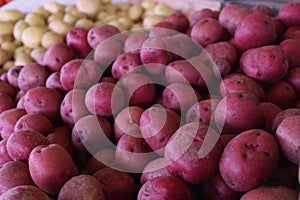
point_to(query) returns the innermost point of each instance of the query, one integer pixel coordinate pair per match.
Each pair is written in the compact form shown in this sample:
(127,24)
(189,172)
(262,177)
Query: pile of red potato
(199,108)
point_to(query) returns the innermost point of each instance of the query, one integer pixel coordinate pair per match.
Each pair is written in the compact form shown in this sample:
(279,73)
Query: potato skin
(24,192)
(280,116)
(81,187)
(165,188)
(287,135)
(271,193)
(77,39)
(4,156)
(249,160)
(8,120)
(98,34)
(289,14)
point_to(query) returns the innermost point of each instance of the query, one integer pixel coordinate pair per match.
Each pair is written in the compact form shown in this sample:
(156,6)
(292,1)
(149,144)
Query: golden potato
(11,15)
(23,60)
(89,7)
(19,28)
(4,38)
(117,24)
(72,10)
(54,7)
(37,52)
(34,19)
(149,21)
(49,38)
(6,28)
(123,6)
(4,56)
(163,9)
(10,46)
(135,12)
(84,23)
(148,4)
(22,50)
(54,17)
(59,27)
(126,22)
(42,12)
(32,36)
(9,64)
(70,19)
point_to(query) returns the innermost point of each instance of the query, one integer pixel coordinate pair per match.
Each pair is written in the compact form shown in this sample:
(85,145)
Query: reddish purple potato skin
(182,153)
(14,173)
(293,77)
(180,21)
(6,102)
(53,81)
(269,110)
(243,104)
(4,156)
(8,89)
(249,160)
(81,187)
(290,47)
(107,52)
(287,135)
(223,50)
(271,193)
(289,14)
(50,166)
(116,184)
(165,188)
(24,192)
(100,33)
(8,120)
(13,74)
(280,116)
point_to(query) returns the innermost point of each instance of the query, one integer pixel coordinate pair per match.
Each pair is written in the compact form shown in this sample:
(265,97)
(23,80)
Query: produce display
(110,101)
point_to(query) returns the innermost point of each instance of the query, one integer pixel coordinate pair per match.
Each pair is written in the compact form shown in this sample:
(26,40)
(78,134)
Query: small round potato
(23,60)
(59,27)
(6,28)
(4,56)
(162,9)
(42,12)
(135,12)
(32,36)
(84,23)
(9,46)
(89,7)
(49,38)
(37,52)
(151,20)
(11,15)
(54,7)
(19,27)
(34,19)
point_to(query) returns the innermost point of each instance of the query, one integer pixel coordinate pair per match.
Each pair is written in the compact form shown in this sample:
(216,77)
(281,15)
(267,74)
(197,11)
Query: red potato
(294,36)
(157,126)
(202,14)
(237,82)
(223,50)
(263,9)
(165,188)
(14,173)
(50,166)
(53,82)
(4,156)
(21,143)
(238,112)
(19,95)
(249,160)
(20,103)
(127,122)
(163,29)
(13,74)
(231,16)
(34,122)
(180,21)
(271,193)
(3,77)
(255,30)
(98,34)
(289,14)
(154,169)
(45,101)
(269,110)
(217,189)
(180,97)
(8,119)
(154,55)
(106,52)
(24,192)
(221,67)
(202,111)
(124,64)
(293,77)
(281,93)
(91,133)
(287,135)
(77,39)
(290,48)
(290,30)
(104,99)
(108,79)
(207,31)
(6,102)
(226,138)
(7,89)
(105,157)
(133,154)
(183,71)
(82,187)
(56,56)
(279,28)
(73,107)
(32,75)
(80,74)
(139,89)
(271,63)
(282,115)
(193,153)
(62,136)
(134,42)
(116,184)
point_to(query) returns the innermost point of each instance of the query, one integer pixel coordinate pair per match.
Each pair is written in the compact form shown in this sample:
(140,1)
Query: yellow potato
(4,56)
(109,18)
(118,25)
(9,64)
(11,15)
(123,6)
(6,28)
(149,21)
(135,12)
(72,10)
(163,10)
(42,12)
(34,19)
(148,12)
(59,27)
(89,7)
(148,4)
(105,1)
(54,7)
(19,28)
(32,36)
(4,38)
(110,9)
(37,52)
(84,23)
(137,26)
(126,22)
(22,50)
(98,23)
(70,19)
(54,17)
(23,60)
(10,46)
(101,15)
(49,38)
